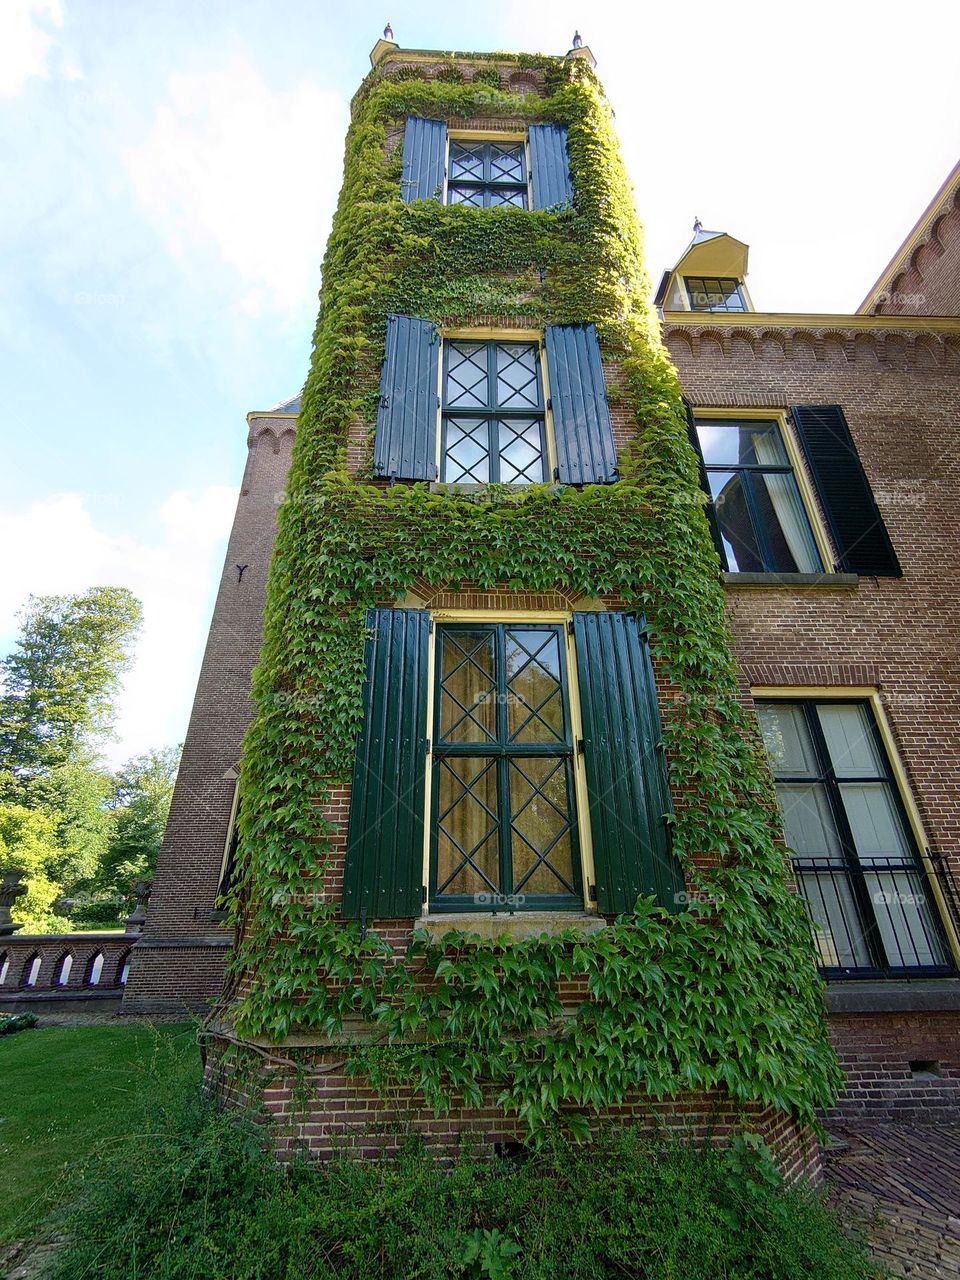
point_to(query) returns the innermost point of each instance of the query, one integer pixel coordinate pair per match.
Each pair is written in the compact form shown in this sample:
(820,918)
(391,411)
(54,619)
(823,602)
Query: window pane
(521,453)
(506,162)
(877,830)
(837,924)
(466,160)
(515,197)
(807,820)
(534,692)
(849,735)
(904,920)
(787,739)
(468,701)
(736,527)
(466,382)
(468,860)
(466,455)
(465,195)
(518,382)
(784,519)
(746,444)
(540,827)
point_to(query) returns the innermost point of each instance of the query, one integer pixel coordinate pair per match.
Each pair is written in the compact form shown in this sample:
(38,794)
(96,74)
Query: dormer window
(715,294)
(487,174)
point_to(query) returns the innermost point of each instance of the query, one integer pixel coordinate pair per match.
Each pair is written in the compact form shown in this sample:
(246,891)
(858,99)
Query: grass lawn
(64,1092)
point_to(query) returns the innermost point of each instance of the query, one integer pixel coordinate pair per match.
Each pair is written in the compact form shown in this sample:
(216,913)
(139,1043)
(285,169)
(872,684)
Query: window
(487,174)
(63,970)
(493,420)
(31,971)
(95,970)
(504,824)
(853,850)
(708,293)
(762,523)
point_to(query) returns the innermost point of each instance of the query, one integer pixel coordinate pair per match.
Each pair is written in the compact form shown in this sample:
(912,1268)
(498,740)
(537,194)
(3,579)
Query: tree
(60,680)
(28,842)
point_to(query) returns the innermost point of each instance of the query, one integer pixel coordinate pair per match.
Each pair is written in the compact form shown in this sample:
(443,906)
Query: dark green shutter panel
(626,768)
(405,446)
(383,875)
(550,167)
(424,159)
(859,534)
(704,483)
(586,453)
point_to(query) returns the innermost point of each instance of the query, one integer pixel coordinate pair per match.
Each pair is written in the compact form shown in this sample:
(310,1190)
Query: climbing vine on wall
(723,994)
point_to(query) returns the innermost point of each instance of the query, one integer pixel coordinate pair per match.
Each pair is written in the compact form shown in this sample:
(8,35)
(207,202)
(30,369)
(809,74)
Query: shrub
(11,1022)
(205,1200)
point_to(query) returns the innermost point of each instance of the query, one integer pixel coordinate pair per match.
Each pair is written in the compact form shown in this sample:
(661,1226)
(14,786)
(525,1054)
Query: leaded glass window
(504,819)
(710,293)
(853,851)
(487,174)
(760,513)
(493,423)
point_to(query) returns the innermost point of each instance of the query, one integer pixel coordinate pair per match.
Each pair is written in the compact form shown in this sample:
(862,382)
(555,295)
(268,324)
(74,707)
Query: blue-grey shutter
(550,167)
(424,159)
(405,446)
(709,509)
(856,525)
(586,453)
(629,796)
(383,873)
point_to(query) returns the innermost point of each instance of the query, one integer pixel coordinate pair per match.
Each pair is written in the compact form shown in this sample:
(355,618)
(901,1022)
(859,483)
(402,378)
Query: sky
(170,174)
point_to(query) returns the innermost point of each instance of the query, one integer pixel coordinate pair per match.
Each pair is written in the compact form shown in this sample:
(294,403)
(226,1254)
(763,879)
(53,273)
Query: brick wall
(179,959)
(925,280)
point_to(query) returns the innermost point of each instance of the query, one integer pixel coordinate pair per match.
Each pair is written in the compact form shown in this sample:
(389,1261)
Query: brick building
(829,447)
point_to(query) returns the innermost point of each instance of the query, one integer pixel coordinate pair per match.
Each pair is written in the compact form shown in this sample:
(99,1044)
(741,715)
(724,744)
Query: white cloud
(229,161)
(173,576)
(25,44)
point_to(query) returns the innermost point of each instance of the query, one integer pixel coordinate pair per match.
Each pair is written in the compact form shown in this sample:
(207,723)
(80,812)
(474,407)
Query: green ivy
(722,995)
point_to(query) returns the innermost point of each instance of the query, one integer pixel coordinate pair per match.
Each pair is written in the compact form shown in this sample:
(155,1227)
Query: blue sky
(170,174)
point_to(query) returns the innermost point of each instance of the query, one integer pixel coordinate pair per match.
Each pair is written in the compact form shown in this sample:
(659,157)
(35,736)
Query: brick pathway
(900,1184)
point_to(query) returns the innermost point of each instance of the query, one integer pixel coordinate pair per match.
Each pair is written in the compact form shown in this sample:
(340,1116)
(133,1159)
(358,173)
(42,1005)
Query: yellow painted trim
(798,320)
(234,805)
(257,413)
(488,135)
(807,496)
(941,203)
(481,334)
(428,771)
(548,427)
(581,795)
(836,693)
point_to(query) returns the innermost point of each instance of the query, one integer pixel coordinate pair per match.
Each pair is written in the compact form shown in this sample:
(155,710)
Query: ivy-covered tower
(509,852)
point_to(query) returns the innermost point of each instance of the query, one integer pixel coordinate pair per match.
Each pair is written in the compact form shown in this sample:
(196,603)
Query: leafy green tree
(28,841)
(59,683)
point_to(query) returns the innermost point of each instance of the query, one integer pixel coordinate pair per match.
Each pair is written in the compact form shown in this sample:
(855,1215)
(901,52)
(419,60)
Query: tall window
(487,174)
(853,849)
(760,513)
(504,820)
(493,420)
(708,293)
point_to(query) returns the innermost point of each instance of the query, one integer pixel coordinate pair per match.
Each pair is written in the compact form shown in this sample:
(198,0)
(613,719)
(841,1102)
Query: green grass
(67,1092)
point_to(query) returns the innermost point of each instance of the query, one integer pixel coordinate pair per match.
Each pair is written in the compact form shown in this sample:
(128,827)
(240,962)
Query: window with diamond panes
(504,819)
(853,852)
(493,425)
(487,174)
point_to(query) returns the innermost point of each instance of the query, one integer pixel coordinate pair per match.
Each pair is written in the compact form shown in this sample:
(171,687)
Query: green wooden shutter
(586,453)
(383,874)
(550,167)
(705,483)
(405,446)
(629,796)
(424,159)
(856,525)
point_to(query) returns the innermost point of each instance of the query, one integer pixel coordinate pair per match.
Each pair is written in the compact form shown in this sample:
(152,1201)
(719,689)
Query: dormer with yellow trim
(710,275)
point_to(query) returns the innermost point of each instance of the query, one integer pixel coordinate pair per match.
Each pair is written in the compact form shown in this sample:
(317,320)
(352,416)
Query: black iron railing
(885,919)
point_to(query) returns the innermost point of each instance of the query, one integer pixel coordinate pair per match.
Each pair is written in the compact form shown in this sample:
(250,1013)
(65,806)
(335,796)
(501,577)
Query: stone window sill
(831,580)
(513,928)
(896,995)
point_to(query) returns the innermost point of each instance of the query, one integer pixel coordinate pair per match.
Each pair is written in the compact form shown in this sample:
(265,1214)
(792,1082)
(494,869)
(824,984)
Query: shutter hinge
(550,403)
(363,924)
(438,402)
(556,473)
(430,627)
(581,746)
(569,626)
(429,746)
(436,472)
(591,892)
(423,894)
